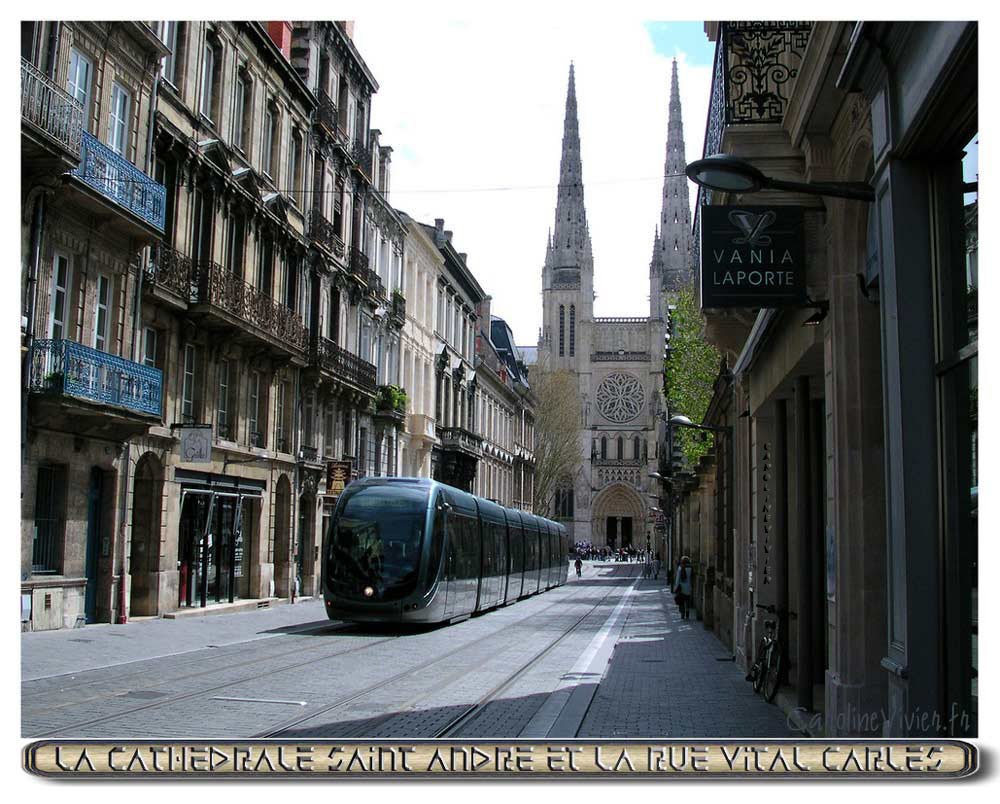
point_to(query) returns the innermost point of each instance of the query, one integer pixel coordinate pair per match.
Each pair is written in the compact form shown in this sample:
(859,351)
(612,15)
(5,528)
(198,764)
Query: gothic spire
(674,244)
(570,238)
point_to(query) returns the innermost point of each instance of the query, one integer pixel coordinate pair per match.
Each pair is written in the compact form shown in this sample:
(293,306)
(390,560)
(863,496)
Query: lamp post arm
(856,191)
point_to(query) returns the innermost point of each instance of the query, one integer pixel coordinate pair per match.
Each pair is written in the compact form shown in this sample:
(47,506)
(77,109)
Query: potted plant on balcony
(54,381)
(392,398)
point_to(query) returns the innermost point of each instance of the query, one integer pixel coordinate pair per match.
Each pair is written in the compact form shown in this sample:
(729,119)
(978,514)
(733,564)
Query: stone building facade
(844,487)
(618,361)
(89,208)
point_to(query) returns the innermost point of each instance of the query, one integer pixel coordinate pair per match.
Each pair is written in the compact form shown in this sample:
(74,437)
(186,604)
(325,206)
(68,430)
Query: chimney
(447,234)
(463,255)
(483,311)
(281,34)
(348,26)
(439,231)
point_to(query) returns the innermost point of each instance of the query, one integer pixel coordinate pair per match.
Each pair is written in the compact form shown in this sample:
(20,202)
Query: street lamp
(729,174)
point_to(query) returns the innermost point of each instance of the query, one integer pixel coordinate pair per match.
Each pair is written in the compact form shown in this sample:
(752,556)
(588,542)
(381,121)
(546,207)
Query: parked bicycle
(765,672)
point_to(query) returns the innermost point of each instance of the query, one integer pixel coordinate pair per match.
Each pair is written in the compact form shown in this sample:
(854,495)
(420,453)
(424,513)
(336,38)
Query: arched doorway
(282,537)
(144,556)
(618,519)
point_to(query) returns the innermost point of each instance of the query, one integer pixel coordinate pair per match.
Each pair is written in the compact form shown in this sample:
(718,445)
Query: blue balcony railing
(72,369)
(122,182)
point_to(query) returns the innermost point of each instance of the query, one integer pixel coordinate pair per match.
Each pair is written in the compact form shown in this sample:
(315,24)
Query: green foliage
(689,372)
(392,397)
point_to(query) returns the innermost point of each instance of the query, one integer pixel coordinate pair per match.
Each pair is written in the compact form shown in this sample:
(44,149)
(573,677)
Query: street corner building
(216,334)
(617,361)
(842,485)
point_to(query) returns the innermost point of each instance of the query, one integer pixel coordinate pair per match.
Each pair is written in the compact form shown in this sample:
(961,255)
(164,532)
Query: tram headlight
(368,591)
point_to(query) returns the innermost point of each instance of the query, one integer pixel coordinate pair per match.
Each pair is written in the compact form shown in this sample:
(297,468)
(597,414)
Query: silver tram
(415,550)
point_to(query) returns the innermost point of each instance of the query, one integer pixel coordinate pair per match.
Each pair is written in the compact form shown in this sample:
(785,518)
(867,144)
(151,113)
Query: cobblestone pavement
(605,655)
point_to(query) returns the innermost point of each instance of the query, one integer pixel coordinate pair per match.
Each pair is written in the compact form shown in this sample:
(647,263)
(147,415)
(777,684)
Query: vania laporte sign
(752,256)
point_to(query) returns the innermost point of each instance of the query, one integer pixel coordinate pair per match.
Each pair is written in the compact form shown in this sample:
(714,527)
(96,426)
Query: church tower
(568,273)
(670,267)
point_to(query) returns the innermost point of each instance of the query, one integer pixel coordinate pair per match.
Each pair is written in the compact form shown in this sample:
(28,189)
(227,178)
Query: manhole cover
(145,694)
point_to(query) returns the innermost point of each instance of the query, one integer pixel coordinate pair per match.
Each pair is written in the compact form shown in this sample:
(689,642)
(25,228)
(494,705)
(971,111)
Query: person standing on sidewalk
(682,586)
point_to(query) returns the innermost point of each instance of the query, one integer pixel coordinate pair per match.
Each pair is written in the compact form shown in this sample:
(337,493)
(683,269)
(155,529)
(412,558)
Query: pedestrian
(682,587)
(656,566)
(579,567)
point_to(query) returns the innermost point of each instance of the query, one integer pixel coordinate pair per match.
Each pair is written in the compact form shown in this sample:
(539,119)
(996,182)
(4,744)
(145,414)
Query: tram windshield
(376,541)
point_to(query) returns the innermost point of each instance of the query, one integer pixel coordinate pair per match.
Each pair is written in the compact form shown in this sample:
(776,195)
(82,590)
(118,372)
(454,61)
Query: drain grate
(145,695)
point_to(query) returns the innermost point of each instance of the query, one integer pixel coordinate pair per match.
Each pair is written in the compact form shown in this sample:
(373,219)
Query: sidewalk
(72,650)
(670,677)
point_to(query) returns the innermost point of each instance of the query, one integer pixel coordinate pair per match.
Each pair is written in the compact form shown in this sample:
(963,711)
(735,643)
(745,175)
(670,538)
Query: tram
(401,549)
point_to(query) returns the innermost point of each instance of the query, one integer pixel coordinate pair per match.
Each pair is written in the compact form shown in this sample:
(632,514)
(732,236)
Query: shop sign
(338,475)
(752,256)
(196,443)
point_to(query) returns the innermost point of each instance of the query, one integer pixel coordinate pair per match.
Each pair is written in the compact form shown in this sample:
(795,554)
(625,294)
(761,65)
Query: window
(295,169)
(572,330)
(266,142)
(242,103)
(118,119)
(207,105)
(50,519)
(333,317)
(265,267)
(256,410)
(188,384)
(59,313)
(167,33)
(604,448)
(308,414)
(149,343)
(236,242)
(328,436)
(291,283)
(562,329)
(635,448)
(282,445)
(78,82)
(102,316)
(365,339)
(621,448)
(222,418)
(201,234)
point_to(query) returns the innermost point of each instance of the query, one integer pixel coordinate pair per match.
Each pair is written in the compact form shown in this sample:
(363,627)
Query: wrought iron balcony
(118,180)
(322,232)
(308,454)
(359,264)
(375,286)
(50,109)
(169,269)
(329,357)
(398,311)
(213,285)
(362,156)
(326,114)
(71,369)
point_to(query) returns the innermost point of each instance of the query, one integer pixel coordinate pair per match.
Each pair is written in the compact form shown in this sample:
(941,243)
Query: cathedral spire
(672,254)
(570,238)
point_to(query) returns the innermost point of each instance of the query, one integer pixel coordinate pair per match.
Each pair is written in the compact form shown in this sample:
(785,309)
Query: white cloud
(480,104)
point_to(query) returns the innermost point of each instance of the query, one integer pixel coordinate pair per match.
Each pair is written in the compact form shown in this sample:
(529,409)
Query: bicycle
(765,672)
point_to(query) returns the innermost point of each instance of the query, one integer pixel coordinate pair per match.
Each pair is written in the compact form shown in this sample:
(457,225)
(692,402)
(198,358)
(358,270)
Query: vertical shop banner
(752,256)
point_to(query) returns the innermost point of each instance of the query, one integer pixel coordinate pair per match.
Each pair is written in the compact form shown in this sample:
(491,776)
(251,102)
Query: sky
(473,109)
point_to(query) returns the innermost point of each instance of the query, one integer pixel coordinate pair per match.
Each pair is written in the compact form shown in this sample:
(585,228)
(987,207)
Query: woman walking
(682,587)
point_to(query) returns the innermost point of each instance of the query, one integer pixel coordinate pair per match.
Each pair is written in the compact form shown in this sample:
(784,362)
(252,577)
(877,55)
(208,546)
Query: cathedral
(618,361)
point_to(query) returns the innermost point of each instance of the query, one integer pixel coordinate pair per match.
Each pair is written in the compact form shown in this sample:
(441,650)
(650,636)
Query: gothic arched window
(604,448)
(572,330)
(621,447)
(562,329)
(635,447)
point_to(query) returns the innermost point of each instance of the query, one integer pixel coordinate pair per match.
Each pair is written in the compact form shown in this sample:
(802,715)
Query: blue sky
(669,37)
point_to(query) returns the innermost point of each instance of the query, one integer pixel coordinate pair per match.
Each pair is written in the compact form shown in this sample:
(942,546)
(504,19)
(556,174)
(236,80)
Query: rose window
(620,397)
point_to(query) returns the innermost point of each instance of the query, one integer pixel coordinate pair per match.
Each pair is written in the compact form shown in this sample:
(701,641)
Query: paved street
(603,656)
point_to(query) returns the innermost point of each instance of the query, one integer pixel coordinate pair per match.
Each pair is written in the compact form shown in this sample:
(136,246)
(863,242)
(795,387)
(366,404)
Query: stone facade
(618,361)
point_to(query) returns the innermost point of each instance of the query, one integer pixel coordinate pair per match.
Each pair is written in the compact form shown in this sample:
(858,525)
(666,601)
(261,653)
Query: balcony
(375,286)
(596,461)
(420,427)
(50,112)
(344,366)
(458,438)
(391,404)
(248,313)
(88,391)
(323,233)
(359,264)
(398,310)
(362,156)
(168,271)
(114,179)
(620,356)
(327,115)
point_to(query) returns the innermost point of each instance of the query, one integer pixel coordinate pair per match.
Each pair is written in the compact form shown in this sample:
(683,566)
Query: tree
(689,372)
(557,432)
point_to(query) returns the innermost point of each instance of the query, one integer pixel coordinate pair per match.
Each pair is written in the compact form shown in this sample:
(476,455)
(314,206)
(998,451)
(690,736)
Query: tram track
(375,722)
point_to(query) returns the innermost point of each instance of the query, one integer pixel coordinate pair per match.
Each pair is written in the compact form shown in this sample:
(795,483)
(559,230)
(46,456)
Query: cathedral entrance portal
(617,511)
